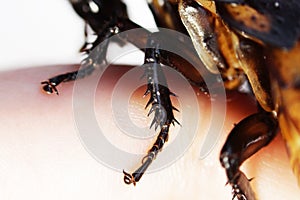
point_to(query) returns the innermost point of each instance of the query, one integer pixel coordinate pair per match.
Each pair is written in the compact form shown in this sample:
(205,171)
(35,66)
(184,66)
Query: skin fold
(42,157)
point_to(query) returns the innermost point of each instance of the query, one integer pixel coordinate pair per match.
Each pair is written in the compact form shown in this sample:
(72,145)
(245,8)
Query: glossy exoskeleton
(244,40)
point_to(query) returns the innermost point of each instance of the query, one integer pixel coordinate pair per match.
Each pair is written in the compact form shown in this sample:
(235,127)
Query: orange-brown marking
(249,17)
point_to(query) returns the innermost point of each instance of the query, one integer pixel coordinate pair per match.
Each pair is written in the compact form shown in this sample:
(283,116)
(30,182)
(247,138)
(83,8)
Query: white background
(47,32)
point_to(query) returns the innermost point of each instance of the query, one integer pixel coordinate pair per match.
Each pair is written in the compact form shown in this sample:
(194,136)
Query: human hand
(42,155)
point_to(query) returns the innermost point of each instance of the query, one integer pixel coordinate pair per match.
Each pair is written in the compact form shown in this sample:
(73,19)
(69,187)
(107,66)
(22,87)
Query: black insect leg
(161,106)
(247,137)
(147,160)
(89,64)
(50,84)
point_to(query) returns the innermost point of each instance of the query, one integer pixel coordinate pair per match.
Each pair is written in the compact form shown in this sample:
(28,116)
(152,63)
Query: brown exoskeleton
(244,40)
(261,39)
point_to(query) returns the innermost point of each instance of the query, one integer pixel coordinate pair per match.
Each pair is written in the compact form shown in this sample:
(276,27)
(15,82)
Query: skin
(42,157)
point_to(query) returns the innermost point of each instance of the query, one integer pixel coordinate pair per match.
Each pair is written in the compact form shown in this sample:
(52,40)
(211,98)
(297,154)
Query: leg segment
(160,104)
(89,64)
(246,138)
(50,84)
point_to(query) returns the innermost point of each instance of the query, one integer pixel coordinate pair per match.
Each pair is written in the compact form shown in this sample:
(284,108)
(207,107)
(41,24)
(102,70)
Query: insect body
(244,40)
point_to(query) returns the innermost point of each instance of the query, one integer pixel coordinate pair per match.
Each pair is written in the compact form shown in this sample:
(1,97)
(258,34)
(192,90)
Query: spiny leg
(247,137)
(160,104)
(106,20)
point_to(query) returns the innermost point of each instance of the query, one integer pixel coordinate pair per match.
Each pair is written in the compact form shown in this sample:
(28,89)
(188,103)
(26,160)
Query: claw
(128,178)
(49,87)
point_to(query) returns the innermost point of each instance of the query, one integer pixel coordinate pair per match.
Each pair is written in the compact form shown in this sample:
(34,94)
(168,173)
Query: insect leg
(247,137)
(161,106)
(51,83)
(89,64)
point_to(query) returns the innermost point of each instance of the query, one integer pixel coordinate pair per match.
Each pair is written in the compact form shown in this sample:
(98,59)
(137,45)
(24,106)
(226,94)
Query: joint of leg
(231,165)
